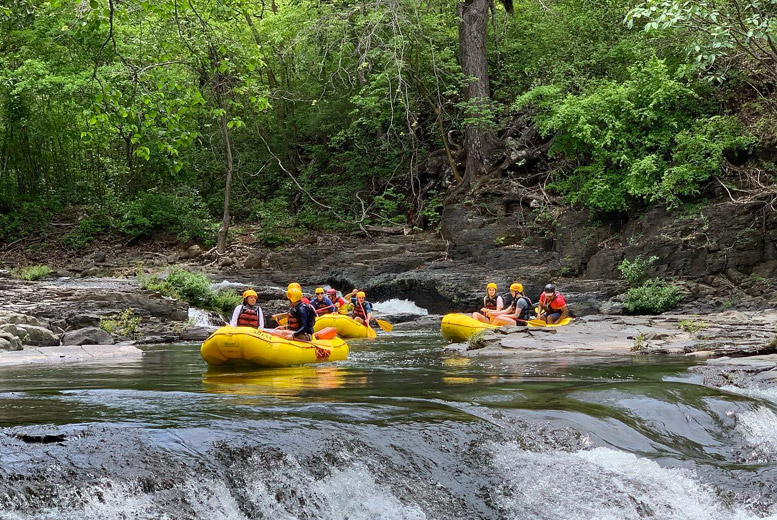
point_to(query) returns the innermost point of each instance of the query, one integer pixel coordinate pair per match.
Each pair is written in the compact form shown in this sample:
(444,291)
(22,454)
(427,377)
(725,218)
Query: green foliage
(124,324)
(693,326)
(653,297)
(194,288)
(31,273)
(635,272)
(278,225)
(641,138)
(477,340)
(180,213)
(85,232)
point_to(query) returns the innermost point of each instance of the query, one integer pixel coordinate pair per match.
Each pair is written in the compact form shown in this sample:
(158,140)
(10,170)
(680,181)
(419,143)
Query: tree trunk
(478,139)
(222,242)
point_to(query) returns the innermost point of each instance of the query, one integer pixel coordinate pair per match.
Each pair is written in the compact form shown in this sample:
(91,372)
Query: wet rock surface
(711,335)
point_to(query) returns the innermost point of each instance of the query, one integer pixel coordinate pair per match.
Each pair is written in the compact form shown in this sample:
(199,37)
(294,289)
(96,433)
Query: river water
(398,431)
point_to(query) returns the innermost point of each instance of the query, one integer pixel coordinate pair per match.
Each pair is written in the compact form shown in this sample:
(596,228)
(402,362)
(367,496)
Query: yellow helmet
(361,294)
(294,285)
(294,294)
(249,292)
(491,286)
(516,287)
(319,290)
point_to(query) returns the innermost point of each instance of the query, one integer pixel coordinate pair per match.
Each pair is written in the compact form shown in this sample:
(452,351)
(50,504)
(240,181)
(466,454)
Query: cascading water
(399,431)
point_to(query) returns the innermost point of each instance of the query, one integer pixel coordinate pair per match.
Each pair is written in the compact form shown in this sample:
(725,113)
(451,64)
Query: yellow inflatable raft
(229,345)
(459,327)
(539,323)
(346,326)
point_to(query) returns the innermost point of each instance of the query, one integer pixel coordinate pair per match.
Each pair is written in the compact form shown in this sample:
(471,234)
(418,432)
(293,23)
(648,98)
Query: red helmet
(331,291)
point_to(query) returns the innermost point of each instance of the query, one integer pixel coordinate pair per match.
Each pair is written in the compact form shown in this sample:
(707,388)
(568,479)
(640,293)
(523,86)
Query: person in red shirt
(336,300)
(552,305)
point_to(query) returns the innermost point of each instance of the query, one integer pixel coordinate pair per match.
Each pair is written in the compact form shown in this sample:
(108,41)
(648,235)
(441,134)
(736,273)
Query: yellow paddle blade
(536,323)
(386,326)
(283,321)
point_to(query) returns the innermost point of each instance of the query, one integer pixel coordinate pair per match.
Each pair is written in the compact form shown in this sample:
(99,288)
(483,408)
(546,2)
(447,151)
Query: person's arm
(261,317)
(499,303)
(564,312)
(350,294)
(235,315)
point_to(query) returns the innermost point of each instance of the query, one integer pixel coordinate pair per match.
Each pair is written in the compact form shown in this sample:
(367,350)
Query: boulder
(99,256)
(38,336)
(21,319)
(87,336)
(172,258)
(193,252)
(196,334)
(82,320)
(254,261)
(9,342)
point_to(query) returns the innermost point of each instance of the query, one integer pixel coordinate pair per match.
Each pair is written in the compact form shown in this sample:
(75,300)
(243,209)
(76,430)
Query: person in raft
(552,305)
(362,309)
(518,312)
(301,316)
(248,313)
(298,286)
(338,302)
(321,303)
(491,302)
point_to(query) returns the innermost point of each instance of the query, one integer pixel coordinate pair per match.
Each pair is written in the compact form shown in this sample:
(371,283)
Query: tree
(479,139)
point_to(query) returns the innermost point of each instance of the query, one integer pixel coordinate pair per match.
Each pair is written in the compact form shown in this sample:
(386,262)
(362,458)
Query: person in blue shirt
(362,309)
(302,317)
(322,304)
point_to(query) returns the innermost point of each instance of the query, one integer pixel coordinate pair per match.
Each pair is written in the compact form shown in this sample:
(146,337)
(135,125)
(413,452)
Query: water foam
(199,317)
(602,483)
(395,306)
(757,428)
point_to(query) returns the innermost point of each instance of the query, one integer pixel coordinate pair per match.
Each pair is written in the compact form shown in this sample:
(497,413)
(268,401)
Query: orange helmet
(294,295)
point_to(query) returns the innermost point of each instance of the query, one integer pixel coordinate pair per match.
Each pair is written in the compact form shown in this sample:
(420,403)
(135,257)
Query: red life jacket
(248,317)
(490,303)
(359,310)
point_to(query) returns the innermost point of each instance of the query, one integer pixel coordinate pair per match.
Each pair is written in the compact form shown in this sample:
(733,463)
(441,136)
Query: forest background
(182,118)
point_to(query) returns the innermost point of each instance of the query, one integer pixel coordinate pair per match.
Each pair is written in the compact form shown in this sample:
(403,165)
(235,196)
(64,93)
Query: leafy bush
(181,213)
(636,271)
(31,273)
(278,224)
(124,324)
(82,235)
(693,326)
(194,288)
(642,138)
(653,297)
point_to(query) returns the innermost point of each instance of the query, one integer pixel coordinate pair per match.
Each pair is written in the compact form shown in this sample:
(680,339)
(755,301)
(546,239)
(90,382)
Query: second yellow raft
(346,326)
(459,327)
(229,345)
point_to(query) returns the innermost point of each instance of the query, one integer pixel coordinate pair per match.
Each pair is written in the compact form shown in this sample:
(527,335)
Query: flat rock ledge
(731,334)
(69,354)
(753,372)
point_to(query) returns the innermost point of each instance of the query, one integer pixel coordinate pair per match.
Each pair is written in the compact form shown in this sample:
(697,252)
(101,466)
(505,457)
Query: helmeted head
(550,289)
(294,285)
(331,292)
(491,289)
(319,293)
(250,297)
(361,296)
(516,288)
(294,295)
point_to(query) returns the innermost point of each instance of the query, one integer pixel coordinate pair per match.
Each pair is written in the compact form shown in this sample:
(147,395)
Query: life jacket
(490,303)
(294,317)
(325,309)
(526,314)
(360,311)
(248,317)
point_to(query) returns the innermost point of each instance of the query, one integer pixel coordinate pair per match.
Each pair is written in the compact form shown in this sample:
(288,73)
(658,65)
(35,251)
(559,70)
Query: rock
(99,256)
(194,252)
(38,336)
(92,271)
(21,319)
(87,336)
(9,342)
(611,307)
(227,261)
(82,320)
(63,273)
(172,258)
(254,261)
(196,334)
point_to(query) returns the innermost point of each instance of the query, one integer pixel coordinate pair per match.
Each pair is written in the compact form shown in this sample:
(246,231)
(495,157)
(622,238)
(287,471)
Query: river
(399,431)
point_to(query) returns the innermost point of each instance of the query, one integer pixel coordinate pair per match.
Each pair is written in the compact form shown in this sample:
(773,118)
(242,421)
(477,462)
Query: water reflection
(281,382)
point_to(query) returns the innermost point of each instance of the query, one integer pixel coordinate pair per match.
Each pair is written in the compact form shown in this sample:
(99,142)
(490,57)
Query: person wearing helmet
(301,316)
(518,312)
(248,313)
(552,305)
(322,303)
(362,309)
(491,302)
(298,286)
(338,302)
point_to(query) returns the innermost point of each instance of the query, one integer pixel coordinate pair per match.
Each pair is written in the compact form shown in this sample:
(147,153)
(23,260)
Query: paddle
(384,325)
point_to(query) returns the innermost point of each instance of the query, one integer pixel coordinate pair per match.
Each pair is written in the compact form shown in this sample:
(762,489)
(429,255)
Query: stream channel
(400,430)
